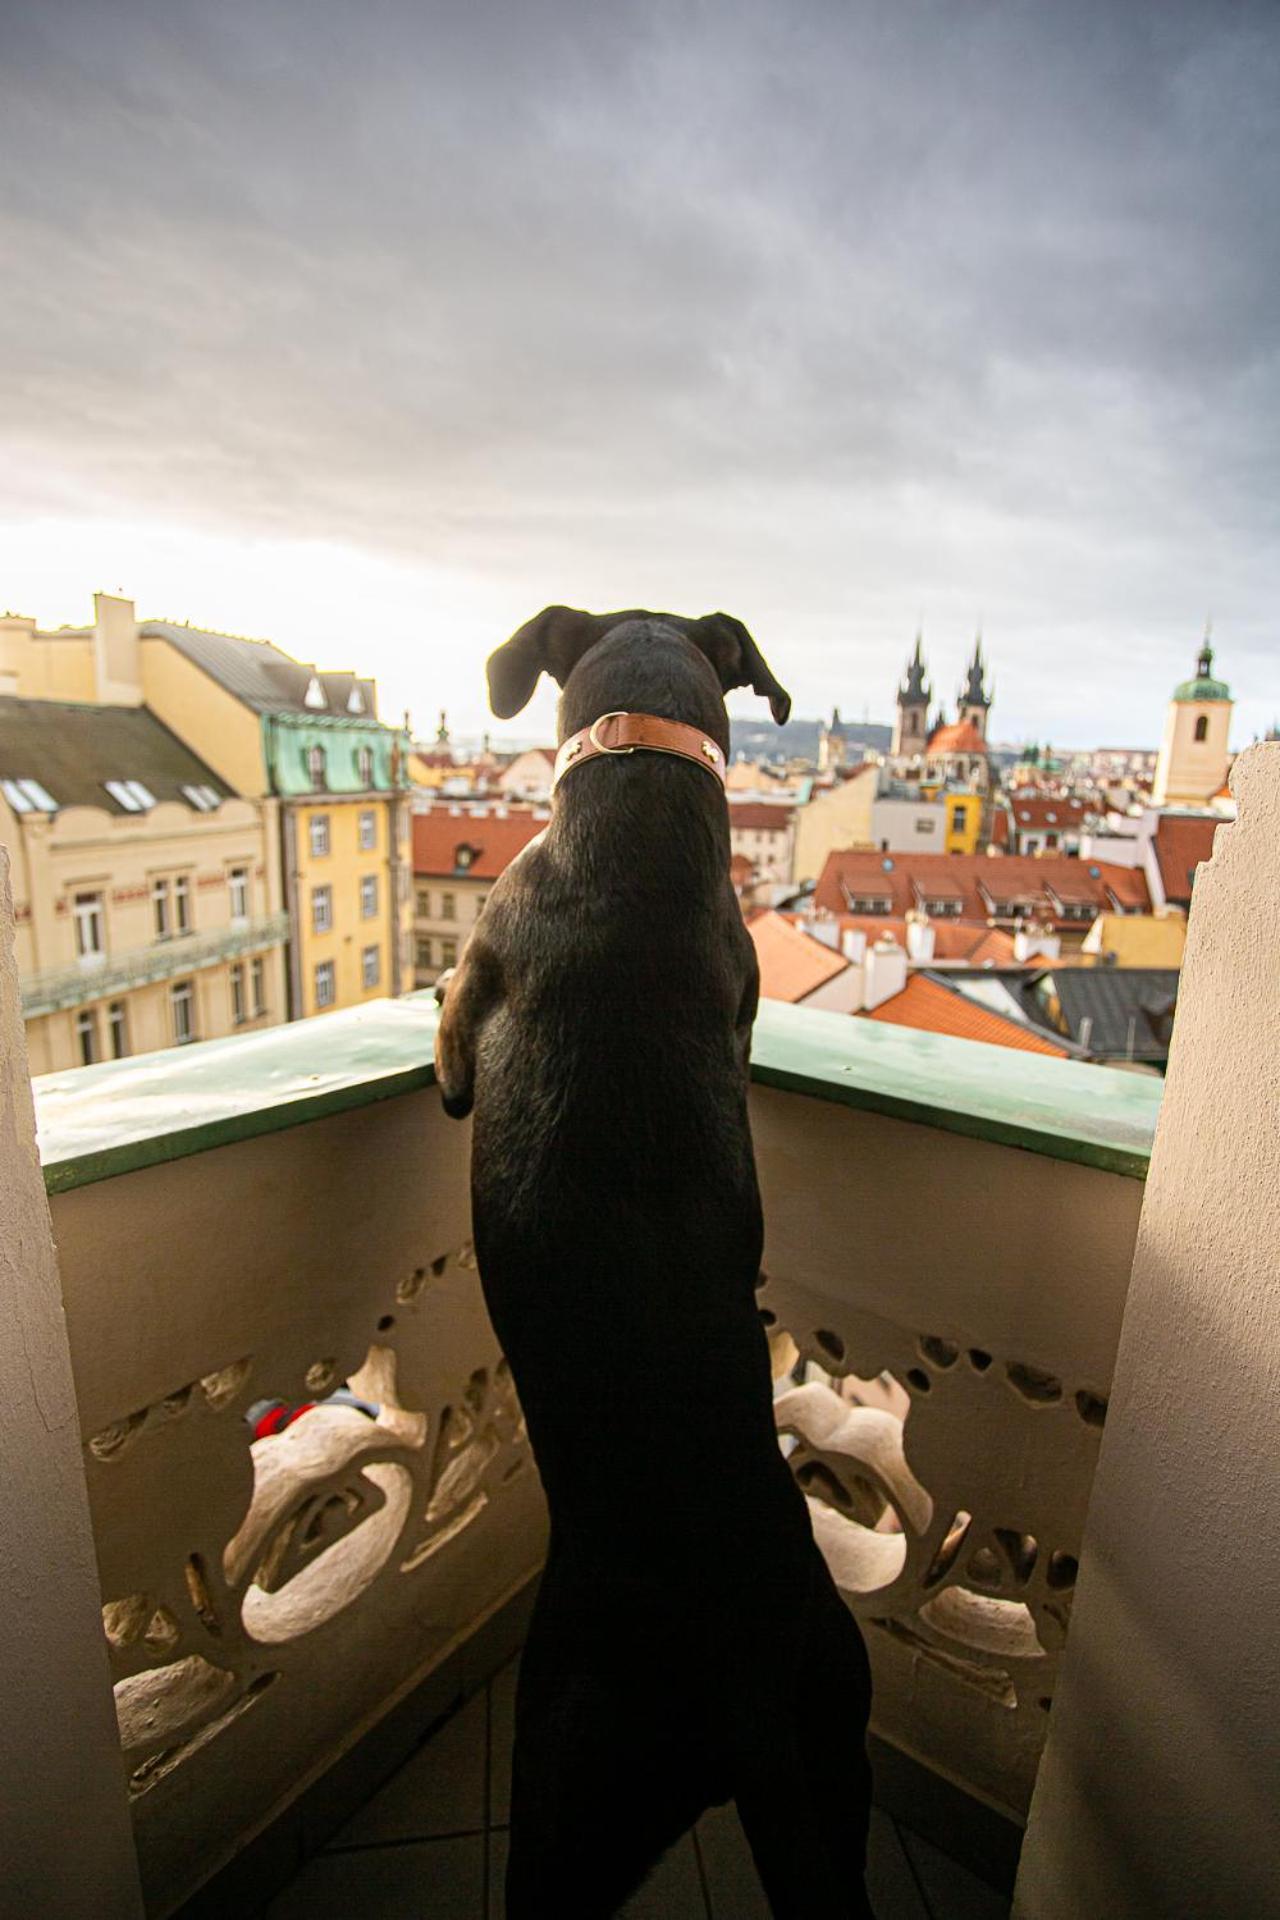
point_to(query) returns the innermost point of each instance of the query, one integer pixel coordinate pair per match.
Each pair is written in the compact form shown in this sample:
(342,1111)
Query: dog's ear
(552,642)
(739,662)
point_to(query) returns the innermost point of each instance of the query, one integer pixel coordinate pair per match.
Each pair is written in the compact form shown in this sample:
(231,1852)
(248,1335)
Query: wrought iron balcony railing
(54,989)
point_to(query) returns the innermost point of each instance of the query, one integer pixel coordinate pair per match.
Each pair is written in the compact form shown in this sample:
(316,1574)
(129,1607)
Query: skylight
(131,795)
(28,796)
(203,799)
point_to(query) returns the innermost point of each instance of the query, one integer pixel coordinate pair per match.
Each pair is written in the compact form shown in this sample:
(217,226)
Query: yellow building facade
(964,821)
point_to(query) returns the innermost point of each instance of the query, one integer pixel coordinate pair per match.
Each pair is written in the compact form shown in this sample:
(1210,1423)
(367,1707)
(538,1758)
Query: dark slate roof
(259,674)
(1111,998)
(72,748)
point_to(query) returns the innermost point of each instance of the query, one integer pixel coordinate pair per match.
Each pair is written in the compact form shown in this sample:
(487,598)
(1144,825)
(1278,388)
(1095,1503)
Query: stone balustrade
(949,1235)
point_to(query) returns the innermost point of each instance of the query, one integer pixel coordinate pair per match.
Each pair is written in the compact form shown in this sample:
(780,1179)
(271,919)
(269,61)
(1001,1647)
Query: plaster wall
(832,820)
(1160,1788)
(909,826)
(59,1771)
(47,666)
(342,870)
(1188,769)
(212,722)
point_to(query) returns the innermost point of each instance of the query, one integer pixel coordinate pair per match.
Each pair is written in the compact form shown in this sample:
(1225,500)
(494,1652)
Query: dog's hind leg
(805,1800)
(608,1773)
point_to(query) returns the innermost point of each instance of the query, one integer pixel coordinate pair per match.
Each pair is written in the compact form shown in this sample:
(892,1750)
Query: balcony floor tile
(951,1891)
(442,1878)
(434,1840)
(439,1791)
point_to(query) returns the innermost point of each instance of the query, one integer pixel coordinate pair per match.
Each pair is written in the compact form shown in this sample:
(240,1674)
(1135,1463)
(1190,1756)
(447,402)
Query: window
(368,830)
(924,825)
(314,695)
(118,1028)
(448,906)
(368,896)
(131,795)
(355,701)
(91,937)
(364,766)
(321,909)
(182,1007)
(87,1038)
(422,954)
(316,768)
(203,799)
(326,992)
(870,903)
(258,978)
(371,966)
(237,994)
(319,835)
(448,953)
(28,796)
(238,884)
(960,819)
(1202,727)
(423,904)
(462,858)
(160,909)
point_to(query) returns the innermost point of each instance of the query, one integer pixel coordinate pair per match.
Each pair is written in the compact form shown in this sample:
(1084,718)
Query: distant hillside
(798,740)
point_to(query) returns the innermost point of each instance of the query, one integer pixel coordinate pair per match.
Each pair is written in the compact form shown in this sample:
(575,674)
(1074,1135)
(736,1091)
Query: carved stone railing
(279,1213)
(300,1220)
(950,1277)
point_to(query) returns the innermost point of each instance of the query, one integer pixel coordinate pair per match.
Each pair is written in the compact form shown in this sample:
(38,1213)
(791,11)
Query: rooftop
(792,963)
(73,749)
(990,884)
(487,841)
(266,678)
(932,1006)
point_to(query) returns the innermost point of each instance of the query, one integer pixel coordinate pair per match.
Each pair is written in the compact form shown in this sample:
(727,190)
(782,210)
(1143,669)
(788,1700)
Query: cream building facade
(833,819)
(146,895)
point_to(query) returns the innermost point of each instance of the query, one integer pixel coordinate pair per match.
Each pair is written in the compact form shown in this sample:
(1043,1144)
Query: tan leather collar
(638,732)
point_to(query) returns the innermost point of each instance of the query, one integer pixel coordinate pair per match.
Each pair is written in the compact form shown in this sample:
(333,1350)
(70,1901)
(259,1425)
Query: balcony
(54,989)
(950,1236)
(306,1215)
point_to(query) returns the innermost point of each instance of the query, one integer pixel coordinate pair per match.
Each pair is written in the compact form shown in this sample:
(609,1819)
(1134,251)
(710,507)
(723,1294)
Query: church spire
(914,688)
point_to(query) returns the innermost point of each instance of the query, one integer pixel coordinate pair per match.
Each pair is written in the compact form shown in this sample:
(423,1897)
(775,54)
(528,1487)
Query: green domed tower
(1194,756)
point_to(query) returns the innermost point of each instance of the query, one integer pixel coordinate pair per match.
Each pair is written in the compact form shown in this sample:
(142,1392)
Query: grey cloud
(863,311)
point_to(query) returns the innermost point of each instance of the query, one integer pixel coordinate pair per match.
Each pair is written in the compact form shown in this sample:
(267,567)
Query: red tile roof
(993,886)
(1041,812)
(961,736)
(763,815)
(953,940)
(792,964)
(495,840)
(930,1007)
(1182,842)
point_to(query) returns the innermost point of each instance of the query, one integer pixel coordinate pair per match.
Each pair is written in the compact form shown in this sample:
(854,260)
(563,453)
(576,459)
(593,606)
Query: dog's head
(555,640)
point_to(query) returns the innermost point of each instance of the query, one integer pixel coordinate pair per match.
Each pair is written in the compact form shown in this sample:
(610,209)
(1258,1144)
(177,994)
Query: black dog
(688,1644)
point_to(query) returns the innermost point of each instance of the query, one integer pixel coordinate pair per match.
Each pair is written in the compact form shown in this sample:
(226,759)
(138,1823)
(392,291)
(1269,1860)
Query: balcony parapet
(96,1122)
(948,1240)
(55,989)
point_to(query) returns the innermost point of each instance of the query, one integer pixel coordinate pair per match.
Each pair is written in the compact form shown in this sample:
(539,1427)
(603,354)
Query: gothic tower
(973,703)
(911,726)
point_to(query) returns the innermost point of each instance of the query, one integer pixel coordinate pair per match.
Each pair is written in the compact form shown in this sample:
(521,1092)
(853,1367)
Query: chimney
(919,938)
(117,657)
(885,972)
(854,945)
(825,931)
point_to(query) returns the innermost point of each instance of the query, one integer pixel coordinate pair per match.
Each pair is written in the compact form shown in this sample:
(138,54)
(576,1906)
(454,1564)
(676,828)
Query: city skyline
(372,343)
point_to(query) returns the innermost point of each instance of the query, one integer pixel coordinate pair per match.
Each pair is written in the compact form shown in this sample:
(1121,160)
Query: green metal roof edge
(98,1122)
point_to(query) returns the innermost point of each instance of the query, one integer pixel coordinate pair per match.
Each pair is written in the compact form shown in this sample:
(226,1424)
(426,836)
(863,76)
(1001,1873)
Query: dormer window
(203,799)
(355,701)
(316,768)
(28,796)
(463,857)
(364,766)
(131,795)
(314,695)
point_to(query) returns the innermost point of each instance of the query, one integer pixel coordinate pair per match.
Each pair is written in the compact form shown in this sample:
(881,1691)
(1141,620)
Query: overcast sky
(372,327)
